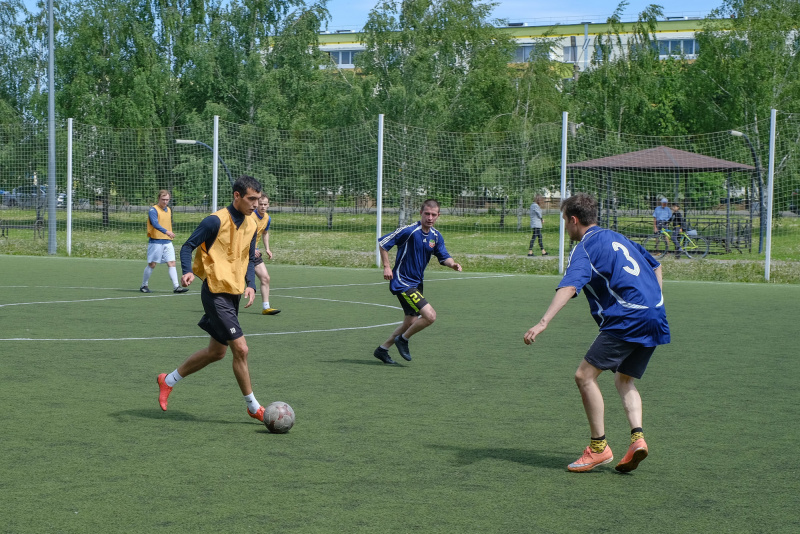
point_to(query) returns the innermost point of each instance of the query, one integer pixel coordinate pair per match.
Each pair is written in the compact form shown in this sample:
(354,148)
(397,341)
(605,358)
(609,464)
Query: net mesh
(322,184)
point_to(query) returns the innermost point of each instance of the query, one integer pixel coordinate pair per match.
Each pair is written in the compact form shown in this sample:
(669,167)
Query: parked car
(26,196)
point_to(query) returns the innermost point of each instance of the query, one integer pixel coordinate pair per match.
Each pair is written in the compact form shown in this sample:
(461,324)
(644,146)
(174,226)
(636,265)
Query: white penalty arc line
(153,338)
(83,300)
(275,289)
(342,329)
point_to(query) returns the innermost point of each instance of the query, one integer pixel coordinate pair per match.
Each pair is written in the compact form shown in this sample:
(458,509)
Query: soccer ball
(278,417)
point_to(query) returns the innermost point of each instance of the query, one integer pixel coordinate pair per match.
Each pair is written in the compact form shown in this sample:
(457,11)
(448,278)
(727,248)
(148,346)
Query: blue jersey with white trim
(414,250)
(621,286)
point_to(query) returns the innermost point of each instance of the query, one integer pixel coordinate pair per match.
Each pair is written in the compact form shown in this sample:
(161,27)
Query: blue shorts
(608,353)
(221,319)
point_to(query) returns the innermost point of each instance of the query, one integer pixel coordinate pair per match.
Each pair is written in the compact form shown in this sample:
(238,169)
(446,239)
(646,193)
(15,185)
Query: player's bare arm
(562,296)
(265,240)
(387,267)
(657,272)
(250,295)
(450,262)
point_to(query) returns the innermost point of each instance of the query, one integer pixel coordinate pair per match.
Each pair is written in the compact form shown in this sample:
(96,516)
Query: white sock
(252,403)
(266,305)
(147,272)
(172,378)
(173,275)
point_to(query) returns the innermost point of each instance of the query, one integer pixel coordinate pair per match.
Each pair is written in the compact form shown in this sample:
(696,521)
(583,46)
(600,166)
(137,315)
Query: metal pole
(214,169)
(561,227)
(379,192)
(51,150)
(770,189)
(69,187)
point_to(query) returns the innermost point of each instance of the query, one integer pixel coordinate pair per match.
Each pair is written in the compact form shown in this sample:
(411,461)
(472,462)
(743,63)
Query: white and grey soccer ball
(278,417)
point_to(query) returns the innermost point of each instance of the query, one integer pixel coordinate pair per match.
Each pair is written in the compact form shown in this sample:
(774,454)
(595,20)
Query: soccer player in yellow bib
(263,221)
(226,244)
(159,247)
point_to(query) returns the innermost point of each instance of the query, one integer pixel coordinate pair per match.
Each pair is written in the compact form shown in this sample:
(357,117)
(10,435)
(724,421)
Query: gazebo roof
(662,158)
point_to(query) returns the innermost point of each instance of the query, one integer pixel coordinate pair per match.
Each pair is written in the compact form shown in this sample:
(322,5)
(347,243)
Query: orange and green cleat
(258,415)
(636,453)
(163,391)
(590,459)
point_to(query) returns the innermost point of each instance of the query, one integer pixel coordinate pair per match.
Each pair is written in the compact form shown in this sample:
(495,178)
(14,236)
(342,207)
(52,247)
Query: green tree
(437,63)
(748,64)
(628,88)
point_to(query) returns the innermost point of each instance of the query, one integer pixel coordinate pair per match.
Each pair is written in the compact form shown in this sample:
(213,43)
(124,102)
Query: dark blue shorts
(221,319)
(412,300)
(608,353)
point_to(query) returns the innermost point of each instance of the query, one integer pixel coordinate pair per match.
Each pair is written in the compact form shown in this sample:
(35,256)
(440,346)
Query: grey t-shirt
(536,216)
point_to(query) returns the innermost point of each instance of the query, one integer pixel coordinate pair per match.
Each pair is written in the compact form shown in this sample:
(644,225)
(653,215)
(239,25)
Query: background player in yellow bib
(263,221)
(159,247)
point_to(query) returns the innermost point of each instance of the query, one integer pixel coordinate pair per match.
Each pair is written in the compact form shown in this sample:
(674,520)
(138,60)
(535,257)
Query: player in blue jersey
(415,244)
(622,283)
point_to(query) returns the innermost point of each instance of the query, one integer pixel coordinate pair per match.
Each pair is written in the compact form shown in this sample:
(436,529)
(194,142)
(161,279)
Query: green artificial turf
(473,435)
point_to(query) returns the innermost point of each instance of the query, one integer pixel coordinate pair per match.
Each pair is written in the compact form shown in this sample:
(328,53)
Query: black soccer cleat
(402,347)
(180,289)
(383,355)
(144,289)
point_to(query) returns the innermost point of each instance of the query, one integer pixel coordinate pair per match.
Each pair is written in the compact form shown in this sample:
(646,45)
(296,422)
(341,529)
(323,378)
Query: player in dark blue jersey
(622,283)
(415,243)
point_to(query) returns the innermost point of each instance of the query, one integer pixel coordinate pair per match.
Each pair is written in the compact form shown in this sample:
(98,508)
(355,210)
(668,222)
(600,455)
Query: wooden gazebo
(659,159)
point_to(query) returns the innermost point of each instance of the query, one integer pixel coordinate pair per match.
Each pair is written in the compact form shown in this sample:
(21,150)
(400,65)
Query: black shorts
(258,261)
(411,300)
(221,319)
(608,353)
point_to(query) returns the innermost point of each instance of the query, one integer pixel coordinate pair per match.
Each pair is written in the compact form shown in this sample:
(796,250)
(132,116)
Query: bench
(37,226)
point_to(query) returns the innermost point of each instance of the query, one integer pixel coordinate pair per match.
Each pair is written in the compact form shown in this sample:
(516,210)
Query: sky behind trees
(352,14)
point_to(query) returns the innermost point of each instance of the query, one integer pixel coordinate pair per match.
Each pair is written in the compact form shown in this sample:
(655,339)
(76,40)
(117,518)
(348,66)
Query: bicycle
(694,246)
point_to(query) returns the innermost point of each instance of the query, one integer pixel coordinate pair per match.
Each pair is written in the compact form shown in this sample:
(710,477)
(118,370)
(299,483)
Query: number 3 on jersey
(617,246)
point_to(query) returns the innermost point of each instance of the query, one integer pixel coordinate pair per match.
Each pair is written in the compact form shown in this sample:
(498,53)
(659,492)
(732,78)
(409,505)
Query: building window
(344,57)
(677,47)
(525,53)
(571,54)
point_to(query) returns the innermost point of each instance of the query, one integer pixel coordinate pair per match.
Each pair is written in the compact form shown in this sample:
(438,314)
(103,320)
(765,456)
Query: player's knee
(428,313)
(623,382)
(217,354)
(240,351)
(582,379)
(152,265)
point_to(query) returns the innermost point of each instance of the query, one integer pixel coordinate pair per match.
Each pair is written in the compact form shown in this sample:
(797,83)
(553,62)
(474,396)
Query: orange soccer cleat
(636,453)
(258,415)
(590,459)
(163,391)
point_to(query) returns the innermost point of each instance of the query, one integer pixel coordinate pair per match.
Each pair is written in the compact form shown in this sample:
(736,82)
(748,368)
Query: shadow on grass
(467,456)
(365,361)
(171,415)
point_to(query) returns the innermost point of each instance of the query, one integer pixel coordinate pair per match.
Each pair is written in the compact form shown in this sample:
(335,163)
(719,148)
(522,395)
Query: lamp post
(194,142)
(762,224)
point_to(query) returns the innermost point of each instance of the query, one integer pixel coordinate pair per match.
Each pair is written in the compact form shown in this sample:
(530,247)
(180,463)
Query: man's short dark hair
(430,203)
(245,182)
(583,206)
